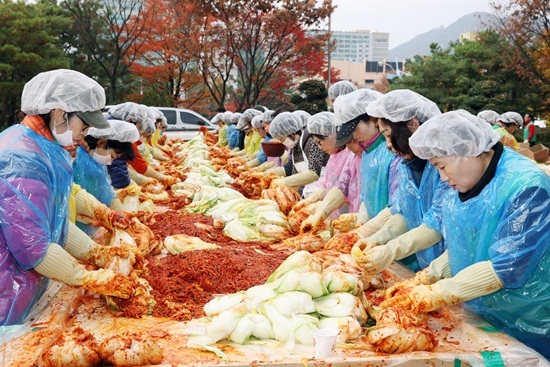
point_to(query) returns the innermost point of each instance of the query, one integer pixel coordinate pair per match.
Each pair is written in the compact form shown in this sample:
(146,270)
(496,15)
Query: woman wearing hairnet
(224,120)
(255,159)
(506,124)
(378,163)
(90,172)
(232,132)
(140,171)
(321,127)
(248,142)
(35,182)
(340,88)
(286,127)
(399,114)
(496,225)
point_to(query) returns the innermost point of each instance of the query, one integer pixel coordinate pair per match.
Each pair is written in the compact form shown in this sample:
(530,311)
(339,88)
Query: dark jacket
(118,170)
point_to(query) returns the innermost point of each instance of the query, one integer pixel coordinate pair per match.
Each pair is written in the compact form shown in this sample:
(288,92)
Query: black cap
(345,132)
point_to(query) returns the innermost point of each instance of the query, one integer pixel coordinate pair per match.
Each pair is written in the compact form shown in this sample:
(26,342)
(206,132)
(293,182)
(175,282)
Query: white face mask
(64,139)
(106,160)
(289,143)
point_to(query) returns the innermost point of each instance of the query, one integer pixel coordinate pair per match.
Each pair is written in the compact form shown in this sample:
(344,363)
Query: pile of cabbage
(200,172)
(298,298)
(242,219)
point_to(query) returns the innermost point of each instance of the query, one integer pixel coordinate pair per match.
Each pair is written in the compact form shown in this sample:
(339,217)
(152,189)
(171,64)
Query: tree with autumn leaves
(233,54)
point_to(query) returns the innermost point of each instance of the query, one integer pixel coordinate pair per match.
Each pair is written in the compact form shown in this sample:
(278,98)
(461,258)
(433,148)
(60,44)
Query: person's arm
(138,163)
(59,265)
(522,236)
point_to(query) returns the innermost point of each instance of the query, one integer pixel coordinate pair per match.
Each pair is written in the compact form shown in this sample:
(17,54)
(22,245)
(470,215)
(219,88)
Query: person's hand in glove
(59,265)
(315,196)
(90,210)
(168,181)
(437,270)
(472,282)
(378,258)
(332,201)
(82,247)
(389,226)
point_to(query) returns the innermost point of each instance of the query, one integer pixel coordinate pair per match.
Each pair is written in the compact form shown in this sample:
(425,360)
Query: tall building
(360,46)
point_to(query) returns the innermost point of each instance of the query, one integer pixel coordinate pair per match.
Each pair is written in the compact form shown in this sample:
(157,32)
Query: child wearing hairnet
(405,236)
(496,226)
(323,130)
(37,241)
(100,148)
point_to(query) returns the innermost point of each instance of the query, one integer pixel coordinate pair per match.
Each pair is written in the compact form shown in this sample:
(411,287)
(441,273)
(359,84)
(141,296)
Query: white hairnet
(119,131)
(322,123)
(217,118)
(226,117)
(403,105)
(268,116)
(340,88)
(257,121)
(511,117)
(68,90)
(349,106)
(489,116)
(455,133)
(284,124)
(157,113)
(148,127)
(130,111)
(304,116)
(247,117)
(151,114)
(235,117)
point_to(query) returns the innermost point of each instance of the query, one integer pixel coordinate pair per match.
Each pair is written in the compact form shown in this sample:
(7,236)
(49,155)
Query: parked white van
(182,123)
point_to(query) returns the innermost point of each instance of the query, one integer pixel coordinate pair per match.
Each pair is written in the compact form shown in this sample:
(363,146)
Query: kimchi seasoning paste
(182,284)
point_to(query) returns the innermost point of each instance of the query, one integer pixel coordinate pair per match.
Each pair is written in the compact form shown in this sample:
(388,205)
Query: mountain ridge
(420,44)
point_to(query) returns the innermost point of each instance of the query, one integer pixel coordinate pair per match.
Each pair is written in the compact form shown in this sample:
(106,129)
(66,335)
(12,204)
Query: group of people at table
(443,194)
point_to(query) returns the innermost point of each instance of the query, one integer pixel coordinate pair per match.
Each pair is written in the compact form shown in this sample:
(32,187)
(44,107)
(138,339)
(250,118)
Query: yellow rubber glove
(378,258)
(301,179)
(315,196)
(374,224)
(83,248)
(139,179)
(362,216)
(266,165)
(59,265)
(389,226)
(117,205)
(438,269)
(332,201)
(253,163)
(285,156)
(91,211)
(472,282)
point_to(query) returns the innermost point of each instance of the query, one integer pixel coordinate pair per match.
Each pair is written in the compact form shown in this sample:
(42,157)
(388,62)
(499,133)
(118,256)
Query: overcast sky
(402,19)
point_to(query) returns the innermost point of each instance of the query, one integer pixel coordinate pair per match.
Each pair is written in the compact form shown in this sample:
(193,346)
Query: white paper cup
(323,342)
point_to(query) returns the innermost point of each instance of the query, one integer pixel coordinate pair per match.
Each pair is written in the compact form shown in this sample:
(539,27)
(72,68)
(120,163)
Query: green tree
(471,75)
(30,43)
(311,97)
